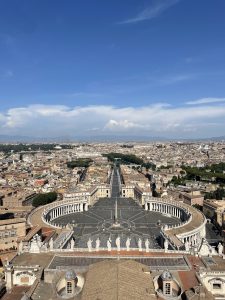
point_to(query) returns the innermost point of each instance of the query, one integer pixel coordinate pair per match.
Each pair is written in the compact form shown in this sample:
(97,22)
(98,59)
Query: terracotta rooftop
(114,280)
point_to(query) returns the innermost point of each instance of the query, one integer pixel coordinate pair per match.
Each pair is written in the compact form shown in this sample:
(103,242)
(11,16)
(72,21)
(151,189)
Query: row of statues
(118,244)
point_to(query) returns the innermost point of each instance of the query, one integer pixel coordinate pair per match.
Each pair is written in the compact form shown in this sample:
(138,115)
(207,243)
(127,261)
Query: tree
(125,158)
(43,199)
(218,194)
(79,163)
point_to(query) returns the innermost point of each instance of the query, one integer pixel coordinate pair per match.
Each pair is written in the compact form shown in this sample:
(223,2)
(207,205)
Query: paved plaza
(98,221)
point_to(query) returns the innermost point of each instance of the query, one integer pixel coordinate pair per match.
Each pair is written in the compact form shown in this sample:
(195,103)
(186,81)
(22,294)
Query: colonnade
(190,231)
(57,211)
(166,208)
(192,239)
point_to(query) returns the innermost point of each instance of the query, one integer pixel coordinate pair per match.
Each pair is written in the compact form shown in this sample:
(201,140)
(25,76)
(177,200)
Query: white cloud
(157,119)
(206,101)
(122,125)
(156,9)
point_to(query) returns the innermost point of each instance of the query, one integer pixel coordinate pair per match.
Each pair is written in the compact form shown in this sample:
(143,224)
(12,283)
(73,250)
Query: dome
(70,275)
(166,275)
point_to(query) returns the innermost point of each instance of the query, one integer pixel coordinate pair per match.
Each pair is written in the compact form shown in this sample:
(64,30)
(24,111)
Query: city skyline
(146,68)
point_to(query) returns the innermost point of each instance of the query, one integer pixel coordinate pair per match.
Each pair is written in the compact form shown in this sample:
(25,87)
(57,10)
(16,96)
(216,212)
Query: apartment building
(135,184)
(215,210)
(10,231)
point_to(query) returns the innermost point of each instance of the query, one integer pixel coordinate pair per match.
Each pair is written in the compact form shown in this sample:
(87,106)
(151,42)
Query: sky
(151,68)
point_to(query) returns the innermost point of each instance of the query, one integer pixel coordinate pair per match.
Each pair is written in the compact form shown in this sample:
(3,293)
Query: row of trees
(42,199)
(130,159)
(124,158)
(177,181)
(7,148)
(209,173)
(219,194)
(79,163)
(149,165)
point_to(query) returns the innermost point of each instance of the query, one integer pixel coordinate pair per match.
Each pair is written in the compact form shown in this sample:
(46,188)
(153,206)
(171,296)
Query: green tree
(79,163)
(42,199)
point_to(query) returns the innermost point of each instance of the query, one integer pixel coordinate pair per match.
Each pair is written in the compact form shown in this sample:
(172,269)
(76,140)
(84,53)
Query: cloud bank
(204,119)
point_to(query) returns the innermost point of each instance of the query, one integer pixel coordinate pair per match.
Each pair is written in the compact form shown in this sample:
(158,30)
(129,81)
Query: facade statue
(128,243)
(39,242)
(97,245)
(109,244)
(89,245)
(72,244)
(147,245)
(187,246)
(220,249)
(118,243)
(34,247)
(140,244)
(166,245)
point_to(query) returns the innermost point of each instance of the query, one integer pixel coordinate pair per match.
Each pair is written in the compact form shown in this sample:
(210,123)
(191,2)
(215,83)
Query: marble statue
(39,241)
(118,243)
(204,249)
(140,244)
(128,243)
(166,245)
(89,244)
(51,244)
(220,249)
(34,247)
(109,244)
(97,244)
(147,245)
(187,246)
(72,244)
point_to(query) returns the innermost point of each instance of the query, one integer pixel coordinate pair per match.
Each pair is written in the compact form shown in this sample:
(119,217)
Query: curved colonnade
(191,230)
(61,208)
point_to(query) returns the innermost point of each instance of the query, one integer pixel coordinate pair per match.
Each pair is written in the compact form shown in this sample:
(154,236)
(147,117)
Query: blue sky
(131,67)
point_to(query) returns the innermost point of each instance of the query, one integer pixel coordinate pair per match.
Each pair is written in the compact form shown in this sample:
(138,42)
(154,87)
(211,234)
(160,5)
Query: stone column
(146,206)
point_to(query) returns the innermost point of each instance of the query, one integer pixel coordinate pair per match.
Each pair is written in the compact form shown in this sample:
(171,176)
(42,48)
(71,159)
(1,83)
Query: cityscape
(112,150)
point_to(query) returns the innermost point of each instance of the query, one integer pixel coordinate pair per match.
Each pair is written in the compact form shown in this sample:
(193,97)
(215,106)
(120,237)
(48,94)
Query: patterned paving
(135,222)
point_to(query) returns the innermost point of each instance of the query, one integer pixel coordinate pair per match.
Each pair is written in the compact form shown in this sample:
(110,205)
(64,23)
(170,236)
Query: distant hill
(100,138)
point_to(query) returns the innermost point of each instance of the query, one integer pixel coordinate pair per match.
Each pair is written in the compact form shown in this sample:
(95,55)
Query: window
(167,288)
(69,287)
(216,286)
